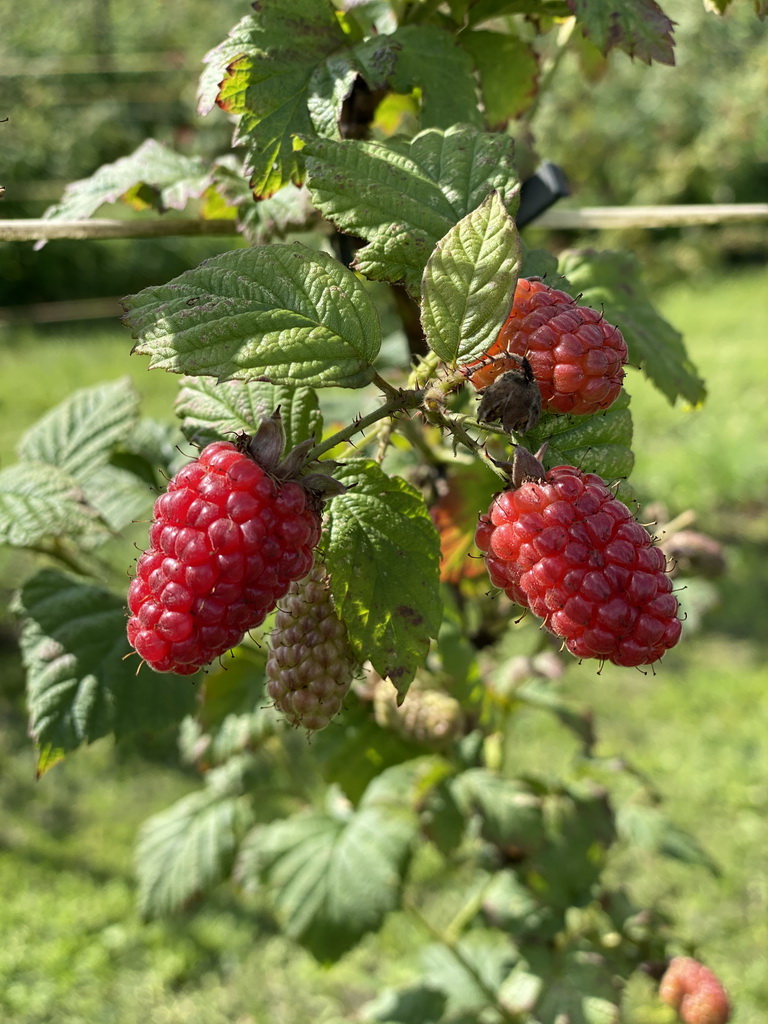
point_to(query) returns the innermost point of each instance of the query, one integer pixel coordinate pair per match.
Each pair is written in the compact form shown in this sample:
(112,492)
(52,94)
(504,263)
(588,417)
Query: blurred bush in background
(697,134)
(85,83)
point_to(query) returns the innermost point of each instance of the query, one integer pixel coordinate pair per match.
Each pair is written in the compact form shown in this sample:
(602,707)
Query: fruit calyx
(266,448)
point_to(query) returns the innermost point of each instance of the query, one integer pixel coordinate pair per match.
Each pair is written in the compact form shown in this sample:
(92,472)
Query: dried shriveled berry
(513,399)
(226,541)
(565,547)
(577,357)
(310,663)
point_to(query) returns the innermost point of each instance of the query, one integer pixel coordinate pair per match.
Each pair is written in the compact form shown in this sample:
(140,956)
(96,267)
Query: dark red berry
(570,551)
(227,540)
(577,358)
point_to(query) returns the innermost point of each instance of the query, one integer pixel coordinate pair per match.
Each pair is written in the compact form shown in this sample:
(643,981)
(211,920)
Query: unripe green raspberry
(310,663)
(427,716)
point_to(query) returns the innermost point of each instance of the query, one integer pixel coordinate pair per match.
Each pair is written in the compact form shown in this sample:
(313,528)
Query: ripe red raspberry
(694,992)
(310,663)
(576,357)
(562,545)
(227,539)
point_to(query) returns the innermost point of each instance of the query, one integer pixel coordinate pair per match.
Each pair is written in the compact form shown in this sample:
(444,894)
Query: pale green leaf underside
(186,848)
(171,179)
(403,196)
(39,501)
(284,313)
(79,688)
(212,411)
(382,552)
(80,433)
(469,283)
(332,880)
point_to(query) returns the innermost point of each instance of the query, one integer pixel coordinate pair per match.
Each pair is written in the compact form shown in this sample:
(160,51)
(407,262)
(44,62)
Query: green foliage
(153,176)
(332,839)
(210,410)
(383,557)
(612,281)
(469,282)
(403,196)
(598,444)
(80,687)
(332,877)
(639,27)
(191,845)
(301,318)
(40,501)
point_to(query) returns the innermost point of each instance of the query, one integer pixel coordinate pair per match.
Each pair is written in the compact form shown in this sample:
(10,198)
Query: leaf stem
(399,402)
(464,962)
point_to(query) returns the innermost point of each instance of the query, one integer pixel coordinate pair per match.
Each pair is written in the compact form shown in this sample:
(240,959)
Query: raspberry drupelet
(562,545)
(228,538)
(576,357)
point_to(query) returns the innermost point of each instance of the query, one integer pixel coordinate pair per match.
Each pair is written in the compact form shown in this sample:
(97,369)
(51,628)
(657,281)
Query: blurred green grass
(711,456)
(40,367)
(78,951)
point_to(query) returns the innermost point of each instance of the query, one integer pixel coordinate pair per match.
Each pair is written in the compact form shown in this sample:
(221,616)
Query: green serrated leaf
(79,688)
(80,433)
(613,281)
(510,814)
(595,444)
(639,27)
(352,756)
(190,846)
(261,221)
(469,283)
(211,411)
(508,69)
(575,985)
(166,179)
(119,497)
(403,196)
(382,554)
(580,827)
(39,501)
(283,313)
(268,69)
(418,1004)
(647,827)
(332,879)
(430,58)
(485,957)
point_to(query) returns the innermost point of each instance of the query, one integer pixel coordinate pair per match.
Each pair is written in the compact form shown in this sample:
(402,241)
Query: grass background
(75,950)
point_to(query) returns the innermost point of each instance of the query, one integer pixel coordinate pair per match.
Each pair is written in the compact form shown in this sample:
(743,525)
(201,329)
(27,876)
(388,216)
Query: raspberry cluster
(226,541)
(575,355)
(562,545)
(694,992)
(310,663)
